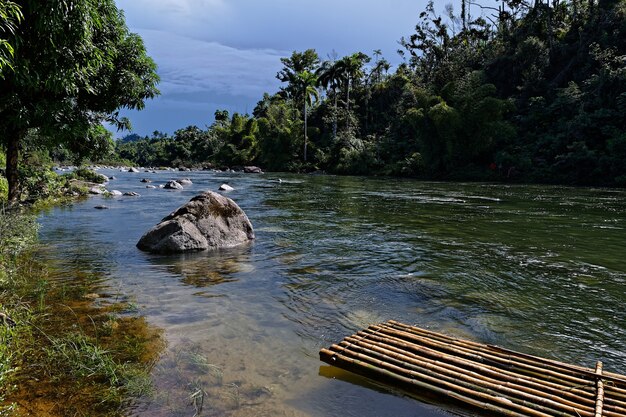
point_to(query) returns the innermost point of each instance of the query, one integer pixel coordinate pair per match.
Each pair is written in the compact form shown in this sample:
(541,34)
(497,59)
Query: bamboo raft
(481,376)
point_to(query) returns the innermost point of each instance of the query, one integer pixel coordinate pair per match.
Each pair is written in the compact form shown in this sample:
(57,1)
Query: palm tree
(306,82)
(329,77)
(351,67)
(298,62)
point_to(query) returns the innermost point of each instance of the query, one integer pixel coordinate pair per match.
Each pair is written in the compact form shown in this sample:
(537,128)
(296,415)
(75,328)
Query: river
(540,269)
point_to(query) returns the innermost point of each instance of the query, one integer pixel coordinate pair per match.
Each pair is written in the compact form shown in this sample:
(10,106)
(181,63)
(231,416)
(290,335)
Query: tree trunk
(305,129)
(335,116)
(13,154)
(463,16)
(348,106)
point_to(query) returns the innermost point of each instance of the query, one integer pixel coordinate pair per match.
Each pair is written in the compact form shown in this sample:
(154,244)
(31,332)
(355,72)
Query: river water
(539,269)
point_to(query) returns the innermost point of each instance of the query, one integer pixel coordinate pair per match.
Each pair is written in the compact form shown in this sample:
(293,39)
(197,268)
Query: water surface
(534,268)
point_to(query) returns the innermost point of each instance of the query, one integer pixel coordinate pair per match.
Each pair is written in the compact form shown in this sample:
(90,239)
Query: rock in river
(226,187)
(208,221)
(173,185)
(252,170)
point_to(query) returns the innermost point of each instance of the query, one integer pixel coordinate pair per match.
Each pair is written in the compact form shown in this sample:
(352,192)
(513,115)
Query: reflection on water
(538,269)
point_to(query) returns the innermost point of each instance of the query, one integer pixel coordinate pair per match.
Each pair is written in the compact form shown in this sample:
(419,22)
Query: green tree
(329,77)
(351,69)
(75,64)
(297,63)
(306,81)
(10,17)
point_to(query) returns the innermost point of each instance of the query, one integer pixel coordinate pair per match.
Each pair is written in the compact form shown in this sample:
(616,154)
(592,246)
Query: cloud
(189,65)
(199,77)
(346,26)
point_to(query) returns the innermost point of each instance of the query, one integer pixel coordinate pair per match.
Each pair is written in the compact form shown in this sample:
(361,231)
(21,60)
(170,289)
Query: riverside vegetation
(60,353)
(65,67)
(528,91)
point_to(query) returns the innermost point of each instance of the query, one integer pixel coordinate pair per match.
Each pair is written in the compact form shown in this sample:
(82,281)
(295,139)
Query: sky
(224,54)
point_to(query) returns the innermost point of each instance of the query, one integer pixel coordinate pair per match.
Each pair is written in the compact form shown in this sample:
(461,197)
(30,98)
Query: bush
(4,189)
(88,175)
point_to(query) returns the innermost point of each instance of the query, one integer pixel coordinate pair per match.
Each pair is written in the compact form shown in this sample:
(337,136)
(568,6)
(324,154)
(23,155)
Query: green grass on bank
(57,350)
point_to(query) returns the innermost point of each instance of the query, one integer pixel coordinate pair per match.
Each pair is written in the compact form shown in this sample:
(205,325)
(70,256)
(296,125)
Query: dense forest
(527,92)
(532,92)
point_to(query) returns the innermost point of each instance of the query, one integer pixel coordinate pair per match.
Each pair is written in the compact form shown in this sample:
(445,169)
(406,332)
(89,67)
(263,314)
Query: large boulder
(208,221)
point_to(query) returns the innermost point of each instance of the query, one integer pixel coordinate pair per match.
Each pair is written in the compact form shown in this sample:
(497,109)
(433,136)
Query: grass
(57,350)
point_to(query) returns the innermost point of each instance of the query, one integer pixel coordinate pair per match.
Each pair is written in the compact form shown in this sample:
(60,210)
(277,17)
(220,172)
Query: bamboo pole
(529,369)
(460,387)
(492,377)
(491,352)
(444,385)
(367,370)
(618,387)
(614,377)
(519,378)
(600,389)
(611,405)
(459,375)
(485,376)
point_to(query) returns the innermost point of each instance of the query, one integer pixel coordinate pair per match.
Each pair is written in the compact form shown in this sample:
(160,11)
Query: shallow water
(534,268)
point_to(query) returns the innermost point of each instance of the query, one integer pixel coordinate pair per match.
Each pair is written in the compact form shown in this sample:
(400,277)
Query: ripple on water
(534,268)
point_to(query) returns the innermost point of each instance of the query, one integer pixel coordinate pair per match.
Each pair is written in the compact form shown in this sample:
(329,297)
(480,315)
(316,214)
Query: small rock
(252,170)
(96,190)
(131,194)
(151,186)
(184,181)
(173,185)
(145,180)
(101,207)
(115,193)
(112,177)
(132,169)
(91,296)
(226,187)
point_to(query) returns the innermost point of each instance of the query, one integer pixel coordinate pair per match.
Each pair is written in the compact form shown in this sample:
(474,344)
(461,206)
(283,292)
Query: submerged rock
(101,207)
(173,185)
(131,194)
(252,170)
(208,221)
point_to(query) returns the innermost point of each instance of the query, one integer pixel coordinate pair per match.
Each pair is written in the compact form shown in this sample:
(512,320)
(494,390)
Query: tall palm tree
(329,77)
(306,82)
(351,67)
